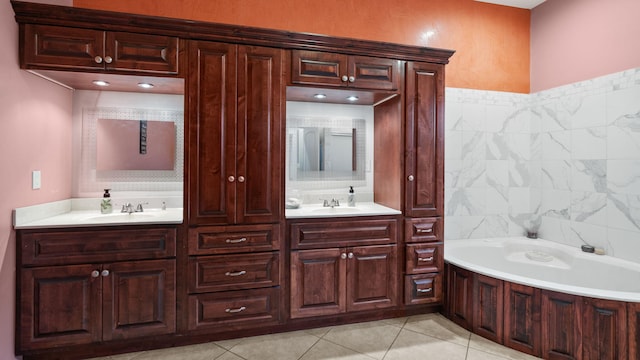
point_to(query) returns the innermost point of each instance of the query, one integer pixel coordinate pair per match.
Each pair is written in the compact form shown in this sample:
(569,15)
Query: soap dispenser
(105,206)
(351,199)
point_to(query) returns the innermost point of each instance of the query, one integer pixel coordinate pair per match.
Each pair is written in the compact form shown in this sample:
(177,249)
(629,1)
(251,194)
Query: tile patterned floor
(422,337)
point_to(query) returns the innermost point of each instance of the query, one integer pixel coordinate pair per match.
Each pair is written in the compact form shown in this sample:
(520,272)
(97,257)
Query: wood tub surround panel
(543,323)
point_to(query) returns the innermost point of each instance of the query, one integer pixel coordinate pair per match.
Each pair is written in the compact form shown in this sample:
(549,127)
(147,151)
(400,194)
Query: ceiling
(525,4)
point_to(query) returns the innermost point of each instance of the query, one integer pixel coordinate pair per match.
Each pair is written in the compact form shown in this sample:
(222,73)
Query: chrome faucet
(128,208)
(332,203)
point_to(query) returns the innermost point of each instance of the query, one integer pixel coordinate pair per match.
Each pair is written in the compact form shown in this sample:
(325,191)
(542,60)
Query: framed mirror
(326,149)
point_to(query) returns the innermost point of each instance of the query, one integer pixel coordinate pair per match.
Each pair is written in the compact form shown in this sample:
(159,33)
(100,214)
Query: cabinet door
(318,280)
(633,315)
(141,53)
(604,332)
(211,133)
(318,68)
(374,73)
(372,277)
(260,131)
(561,326)
(59,306)
(62,48)
(139,299)
(424,162)
(487,307)
(522,318)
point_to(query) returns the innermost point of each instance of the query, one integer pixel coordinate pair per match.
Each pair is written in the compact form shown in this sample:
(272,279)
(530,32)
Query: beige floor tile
(399,322)
(373,338)
(228,344)
(284,346)
(228,356)
(319,332)
(438,326)
(474,354)
(325,350)
(206,351)
(482,344)
(414,346)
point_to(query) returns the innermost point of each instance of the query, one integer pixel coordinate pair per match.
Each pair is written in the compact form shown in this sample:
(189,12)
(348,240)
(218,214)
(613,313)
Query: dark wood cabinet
(488,295)
(633,323)
(332,69)
(522,318)
(75,49)
(561,326)
(63,305)
(604,334)
(337,280)
(234,134)
(424,140)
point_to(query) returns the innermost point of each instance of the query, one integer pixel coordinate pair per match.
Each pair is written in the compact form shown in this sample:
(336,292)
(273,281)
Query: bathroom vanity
(238,265)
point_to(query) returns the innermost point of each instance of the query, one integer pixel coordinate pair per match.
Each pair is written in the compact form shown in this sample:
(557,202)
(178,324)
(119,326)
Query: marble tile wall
(568,157)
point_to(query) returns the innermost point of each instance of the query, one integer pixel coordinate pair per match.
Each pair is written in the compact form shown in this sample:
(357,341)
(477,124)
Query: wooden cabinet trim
(233,272)
(423,289)
(211,240)
(322,234)
(424,258)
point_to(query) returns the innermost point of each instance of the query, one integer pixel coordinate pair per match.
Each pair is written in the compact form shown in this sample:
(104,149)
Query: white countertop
(318,211)
(80,213)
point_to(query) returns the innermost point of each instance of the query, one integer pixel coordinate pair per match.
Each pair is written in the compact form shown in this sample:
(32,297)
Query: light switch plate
(36,180)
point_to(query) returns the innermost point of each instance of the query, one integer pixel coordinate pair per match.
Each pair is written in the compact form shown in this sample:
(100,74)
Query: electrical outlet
(36,180)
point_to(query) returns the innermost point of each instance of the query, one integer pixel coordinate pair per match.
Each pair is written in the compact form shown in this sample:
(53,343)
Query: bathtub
(548,265)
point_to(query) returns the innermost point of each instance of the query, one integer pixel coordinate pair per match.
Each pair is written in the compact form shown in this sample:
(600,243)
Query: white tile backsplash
(569,154)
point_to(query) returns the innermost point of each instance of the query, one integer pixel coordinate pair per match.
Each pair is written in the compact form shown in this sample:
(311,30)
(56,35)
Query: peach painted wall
(491,41)
(576,40)
(35,134)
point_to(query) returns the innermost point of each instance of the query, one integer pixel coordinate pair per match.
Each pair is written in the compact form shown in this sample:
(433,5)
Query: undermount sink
(120,217)
(336,210)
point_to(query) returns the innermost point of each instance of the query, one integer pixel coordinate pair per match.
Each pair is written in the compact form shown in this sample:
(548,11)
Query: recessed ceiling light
(320,96)
(100,83)
(145,85)
(353,98)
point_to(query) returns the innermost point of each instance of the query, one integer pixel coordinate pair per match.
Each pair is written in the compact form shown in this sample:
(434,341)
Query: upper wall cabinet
(235,133)
(63,48)
(424,139)
(330,69)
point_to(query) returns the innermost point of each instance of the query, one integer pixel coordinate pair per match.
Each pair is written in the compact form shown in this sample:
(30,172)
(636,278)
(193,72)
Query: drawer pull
(236,241)
(235,311)
(235,273)
(424,231)
(425,290)
(430,258)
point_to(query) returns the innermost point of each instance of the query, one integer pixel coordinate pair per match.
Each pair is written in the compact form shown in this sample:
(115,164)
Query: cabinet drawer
(226,311)
(324,234)
(75,247)
(423,230)
(233,239)
(233,272)
(424,258)
(423,289)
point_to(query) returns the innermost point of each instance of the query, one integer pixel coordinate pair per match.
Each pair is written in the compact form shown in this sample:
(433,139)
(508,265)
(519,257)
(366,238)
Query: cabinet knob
(108,59)
(231,178)
(95,273)
(352,79)
(423,231)
(343,256)
(345,78)
(350,255)
(241,178)
(236,310)
(98,59)
(410,178)
(425,290)
(105,273)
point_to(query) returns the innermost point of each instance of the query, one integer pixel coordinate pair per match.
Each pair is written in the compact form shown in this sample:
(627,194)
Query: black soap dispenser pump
(351,199)
(105,206)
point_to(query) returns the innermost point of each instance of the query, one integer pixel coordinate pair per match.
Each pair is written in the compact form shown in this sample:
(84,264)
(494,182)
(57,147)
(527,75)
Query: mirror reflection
(325,149)
(135,145)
